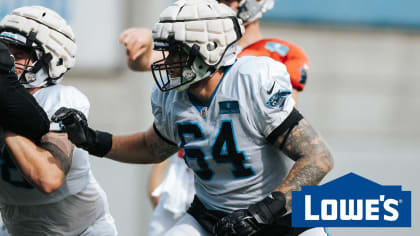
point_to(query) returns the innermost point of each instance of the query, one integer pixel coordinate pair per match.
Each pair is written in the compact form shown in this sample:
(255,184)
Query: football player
(47,187)
(140,54)
(253,43)
(170,194)
(233,117)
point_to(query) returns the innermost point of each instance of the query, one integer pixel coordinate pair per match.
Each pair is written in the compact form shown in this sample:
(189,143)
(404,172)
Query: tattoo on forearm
(312,156)
(161,149)
(59,146)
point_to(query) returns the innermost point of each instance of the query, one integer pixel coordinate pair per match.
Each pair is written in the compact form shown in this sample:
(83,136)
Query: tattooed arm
(142,148)
(312,156)
(46,165)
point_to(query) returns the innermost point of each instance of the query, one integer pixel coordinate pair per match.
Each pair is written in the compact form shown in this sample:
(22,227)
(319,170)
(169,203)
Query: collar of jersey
(197,104)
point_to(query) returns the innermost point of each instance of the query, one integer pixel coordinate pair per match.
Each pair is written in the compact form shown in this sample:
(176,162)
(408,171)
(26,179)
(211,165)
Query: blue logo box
(351,201)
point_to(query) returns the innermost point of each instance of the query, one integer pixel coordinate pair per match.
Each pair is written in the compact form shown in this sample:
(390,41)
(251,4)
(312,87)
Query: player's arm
(17,105)
(46,165)
(142,148)
(313,160)
(139,48)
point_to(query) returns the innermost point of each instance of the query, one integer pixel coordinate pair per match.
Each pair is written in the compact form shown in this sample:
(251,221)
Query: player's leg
(187,225)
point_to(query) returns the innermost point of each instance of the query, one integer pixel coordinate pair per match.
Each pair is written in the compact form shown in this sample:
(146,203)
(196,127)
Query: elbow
(49,185)
(328,161)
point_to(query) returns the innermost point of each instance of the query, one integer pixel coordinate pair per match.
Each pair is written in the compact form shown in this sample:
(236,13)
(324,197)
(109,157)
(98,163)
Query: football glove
(97,143)
(252,220)
(7,61)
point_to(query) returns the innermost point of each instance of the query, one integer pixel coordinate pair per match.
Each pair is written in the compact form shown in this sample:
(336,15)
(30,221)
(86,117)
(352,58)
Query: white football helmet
(49,39)
(251,10)
(204,31)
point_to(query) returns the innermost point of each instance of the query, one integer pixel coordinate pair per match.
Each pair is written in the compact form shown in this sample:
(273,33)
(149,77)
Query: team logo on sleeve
(278,99)
(351,201)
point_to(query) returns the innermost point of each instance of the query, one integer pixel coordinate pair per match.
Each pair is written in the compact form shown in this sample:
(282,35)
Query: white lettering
(351,215)
(370,209)
(390,209)
(324,209)
(308,214)
(353,209)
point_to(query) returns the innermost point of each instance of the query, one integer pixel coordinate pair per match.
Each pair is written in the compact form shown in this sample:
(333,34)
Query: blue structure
(383,13)
(60,6)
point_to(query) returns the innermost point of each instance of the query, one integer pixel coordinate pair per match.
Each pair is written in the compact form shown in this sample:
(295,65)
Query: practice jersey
(226,142)
(15,190)
(291,55)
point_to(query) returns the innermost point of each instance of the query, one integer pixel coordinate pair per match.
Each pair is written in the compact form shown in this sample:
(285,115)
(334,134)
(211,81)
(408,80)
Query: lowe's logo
(351,201)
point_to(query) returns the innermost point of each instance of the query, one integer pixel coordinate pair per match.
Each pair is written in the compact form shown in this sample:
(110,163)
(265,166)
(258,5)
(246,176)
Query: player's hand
(239,222)
(7,61)
(138,43)
(75,123)
(252,220)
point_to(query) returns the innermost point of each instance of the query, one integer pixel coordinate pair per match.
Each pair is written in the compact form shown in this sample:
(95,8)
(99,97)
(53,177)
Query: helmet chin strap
(200,70)
(34,80)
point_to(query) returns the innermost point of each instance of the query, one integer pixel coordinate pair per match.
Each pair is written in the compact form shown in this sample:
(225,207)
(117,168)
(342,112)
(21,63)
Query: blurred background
(362,92)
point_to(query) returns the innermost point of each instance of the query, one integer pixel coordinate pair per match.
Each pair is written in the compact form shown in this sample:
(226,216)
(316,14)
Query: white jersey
(14,188)
(78,207)
(226,141)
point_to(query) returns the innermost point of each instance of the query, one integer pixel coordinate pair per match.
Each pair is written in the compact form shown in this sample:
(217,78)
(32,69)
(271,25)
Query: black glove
(252,220)
(7,61)
(97,143)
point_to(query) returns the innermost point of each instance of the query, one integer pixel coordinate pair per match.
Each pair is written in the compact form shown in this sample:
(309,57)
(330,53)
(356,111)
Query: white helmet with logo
(47,36)
(205,31)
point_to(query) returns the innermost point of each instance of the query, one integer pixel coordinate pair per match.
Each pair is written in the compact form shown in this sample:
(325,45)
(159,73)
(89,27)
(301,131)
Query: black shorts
(208,218)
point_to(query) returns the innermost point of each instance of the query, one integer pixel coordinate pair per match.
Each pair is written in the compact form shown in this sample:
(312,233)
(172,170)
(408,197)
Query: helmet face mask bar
(177,72)
(22,48)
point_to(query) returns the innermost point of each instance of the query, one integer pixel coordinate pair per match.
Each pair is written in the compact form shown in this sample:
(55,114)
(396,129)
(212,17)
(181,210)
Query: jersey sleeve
(271,91)
(161,121)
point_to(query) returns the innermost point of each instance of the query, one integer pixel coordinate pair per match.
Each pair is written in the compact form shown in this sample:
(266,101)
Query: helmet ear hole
(211,46)
(60,62)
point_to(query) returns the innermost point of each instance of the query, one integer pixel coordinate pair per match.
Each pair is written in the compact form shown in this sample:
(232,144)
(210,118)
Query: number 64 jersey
(228,143)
